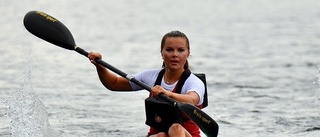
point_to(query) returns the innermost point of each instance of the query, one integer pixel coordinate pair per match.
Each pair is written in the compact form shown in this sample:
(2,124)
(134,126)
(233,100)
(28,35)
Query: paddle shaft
(123,74)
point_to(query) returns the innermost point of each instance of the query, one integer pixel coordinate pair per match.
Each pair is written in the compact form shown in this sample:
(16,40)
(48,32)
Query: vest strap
(159,78)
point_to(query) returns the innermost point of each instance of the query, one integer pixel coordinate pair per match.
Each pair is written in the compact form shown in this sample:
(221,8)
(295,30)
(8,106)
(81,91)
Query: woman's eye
(169,50)
(181,50)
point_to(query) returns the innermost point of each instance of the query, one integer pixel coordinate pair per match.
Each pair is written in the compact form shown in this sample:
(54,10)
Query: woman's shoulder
(147,76)
(193,77)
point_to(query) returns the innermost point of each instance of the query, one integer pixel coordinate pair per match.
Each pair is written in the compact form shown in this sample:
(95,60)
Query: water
(260,57)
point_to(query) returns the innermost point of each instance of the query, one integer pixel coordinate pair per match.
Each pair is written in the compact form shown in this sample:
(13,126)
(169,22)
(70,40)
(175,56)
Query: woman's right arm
(110,80)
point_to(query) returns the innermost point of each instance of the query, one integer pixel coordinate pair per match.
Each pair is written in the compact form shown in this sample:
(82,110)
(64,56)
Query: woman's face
(175,53)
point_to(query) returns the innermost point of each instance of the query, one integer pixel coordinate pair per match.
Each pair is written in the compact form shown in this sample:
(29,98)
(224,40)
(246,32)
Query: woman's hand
(92,56)
(157,90)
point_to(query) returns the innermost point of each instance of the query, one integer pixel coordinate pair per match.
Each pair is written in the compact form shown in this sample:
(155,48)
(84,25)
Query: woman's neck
(171,76)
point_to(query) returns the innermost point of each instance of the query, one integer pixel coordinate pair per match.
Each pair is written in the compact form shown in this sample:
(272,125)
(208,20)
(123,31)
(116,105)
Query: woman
(175,50)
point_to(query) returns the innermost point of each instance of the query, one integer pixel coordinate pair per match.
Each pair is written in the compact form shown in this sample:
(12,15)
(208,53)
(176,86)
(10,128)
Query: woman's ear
(161,54)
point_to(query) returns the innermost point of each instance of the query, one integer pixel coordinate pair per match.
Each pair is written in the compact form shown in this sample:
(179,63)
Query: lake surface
(261,59)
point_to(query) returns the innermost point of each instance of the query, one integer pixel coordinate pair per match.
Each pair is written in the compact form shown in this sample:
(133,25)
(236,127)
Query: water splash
(28,115)
(27,112)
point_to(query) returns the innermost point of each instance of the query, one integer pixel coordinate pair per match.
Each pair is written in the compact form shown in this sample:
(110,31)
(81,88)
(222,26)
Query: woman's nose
(175,54)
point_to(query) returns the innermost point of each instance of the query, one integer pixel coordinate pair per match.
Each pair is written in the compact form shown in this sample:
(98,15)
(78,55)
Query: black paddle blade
(205,122)
(48,28)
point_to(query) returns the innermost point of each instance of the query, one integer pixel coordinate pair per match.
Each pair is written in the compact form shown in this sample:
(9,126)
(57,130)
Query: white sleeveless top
(149,76)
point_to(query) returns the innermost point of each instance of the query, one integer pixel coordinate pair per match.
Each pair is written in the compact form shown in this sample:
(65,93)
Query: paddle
(50,29)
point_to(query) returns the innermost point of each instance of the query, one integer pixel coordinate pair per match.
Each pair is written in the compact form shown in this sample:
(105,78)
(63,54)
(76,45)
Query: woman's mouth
(174,62)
